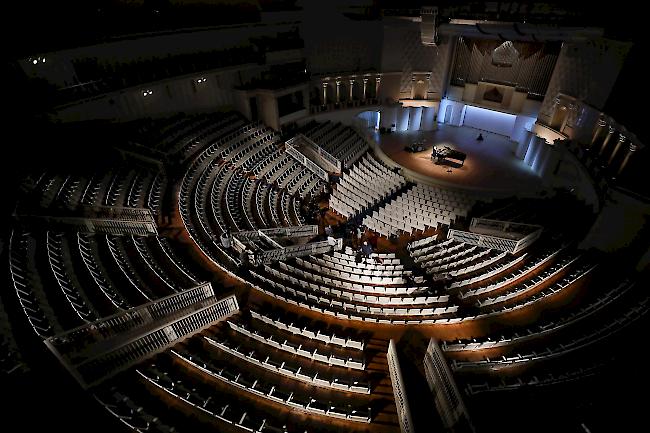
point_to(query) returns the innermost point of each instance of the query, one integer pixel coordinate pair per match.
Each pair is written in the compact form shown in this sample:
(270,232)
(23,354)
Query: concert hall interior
(291,216)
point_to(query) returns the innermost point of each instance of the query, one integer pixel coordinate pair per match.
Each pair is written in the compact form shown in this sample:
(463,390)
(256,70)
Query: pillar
(619,144)
(630,150)
(351,87)
(377,81)
(325,84)
(415,118)
(609,136)
(599,130)
(426,94)
(427,122)
(533,149)
(413,86)
(365,86)
(523,144)
(338,91)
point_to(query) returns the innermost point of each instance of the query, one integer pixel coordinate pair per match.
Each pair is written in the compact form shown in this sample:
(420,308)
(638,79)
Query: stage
(490,164)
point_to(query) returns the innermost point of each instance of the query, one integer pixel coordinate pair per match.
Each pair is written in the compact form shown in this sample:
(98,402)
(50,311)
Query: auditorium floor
(490,164)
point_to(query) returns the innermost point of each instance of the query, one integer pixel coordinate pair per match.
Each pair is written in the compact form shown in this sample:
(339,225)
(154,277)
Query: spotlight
(34,61)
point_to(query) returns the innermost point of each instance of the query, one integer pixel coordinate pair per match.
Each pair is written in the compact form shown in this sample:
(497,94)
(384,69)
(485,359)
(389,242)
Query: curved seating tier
(546,380)
(311,334)
(604,331)
(131,414)
(298,349)
(540,330)
(216,405)
(340,141)
(240,183)
(295,370)
(244,380)
(537,262)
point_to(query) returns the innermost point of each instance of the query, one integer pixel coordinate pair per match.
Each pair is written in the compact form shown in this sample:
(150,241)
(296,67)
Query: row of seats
(341,286)
(353,277)
(374,277)
(405,295)
(28,285)
(425,245)
(532,265)
(379,314)
(548,379)
(434,251)
(361,266)
(88,250)
(303,373)
(297,349)
(488,269)
(414,246)
(131,414)
(459,265)
(546,328)
(228,411)
(120,186)
(308,333)
(449,255)
(61,268)
(272,391)
(530,285)
(186,146)
(602,332)
(375,270)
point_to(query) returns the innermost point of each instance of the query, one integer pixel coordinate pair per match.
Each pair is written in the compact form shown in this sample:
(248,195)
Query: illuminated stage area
(490,164)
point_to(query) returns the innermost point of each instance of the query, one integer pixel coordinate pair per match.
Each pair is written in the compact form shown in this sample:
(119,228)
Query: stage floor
(490,164)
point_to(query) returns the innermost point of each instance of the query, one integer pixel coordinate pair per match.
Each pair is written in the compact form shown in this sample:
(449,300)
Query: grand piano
(441,153)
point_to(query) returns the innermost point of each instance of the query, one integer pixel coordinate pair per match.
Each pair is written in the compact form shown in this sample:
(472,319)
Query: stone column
(599,130)
(413,86)
(365,86)
(338,90)
(630,150)
(325,84)
(377,81)
(351,87)
(619,144)
(426,93)
(609,136)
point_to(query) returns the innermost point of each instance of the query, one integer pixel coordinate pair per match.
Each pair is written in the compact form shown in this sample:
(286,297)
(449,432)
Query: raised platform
(490,166)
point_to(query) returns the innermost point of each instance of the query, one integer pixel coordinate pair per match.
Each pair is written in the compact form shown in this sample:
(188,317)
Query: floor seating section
(363,186)
(419,208)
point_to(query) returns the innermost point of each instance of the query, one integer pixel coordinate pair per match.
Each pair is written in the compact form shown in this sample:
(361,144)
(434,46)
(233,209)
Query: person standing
(226,242)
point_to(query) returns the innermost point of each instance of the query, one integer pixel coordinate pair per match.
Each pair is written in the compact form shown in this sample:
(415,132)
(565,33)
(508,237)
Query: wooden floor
(490,164)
